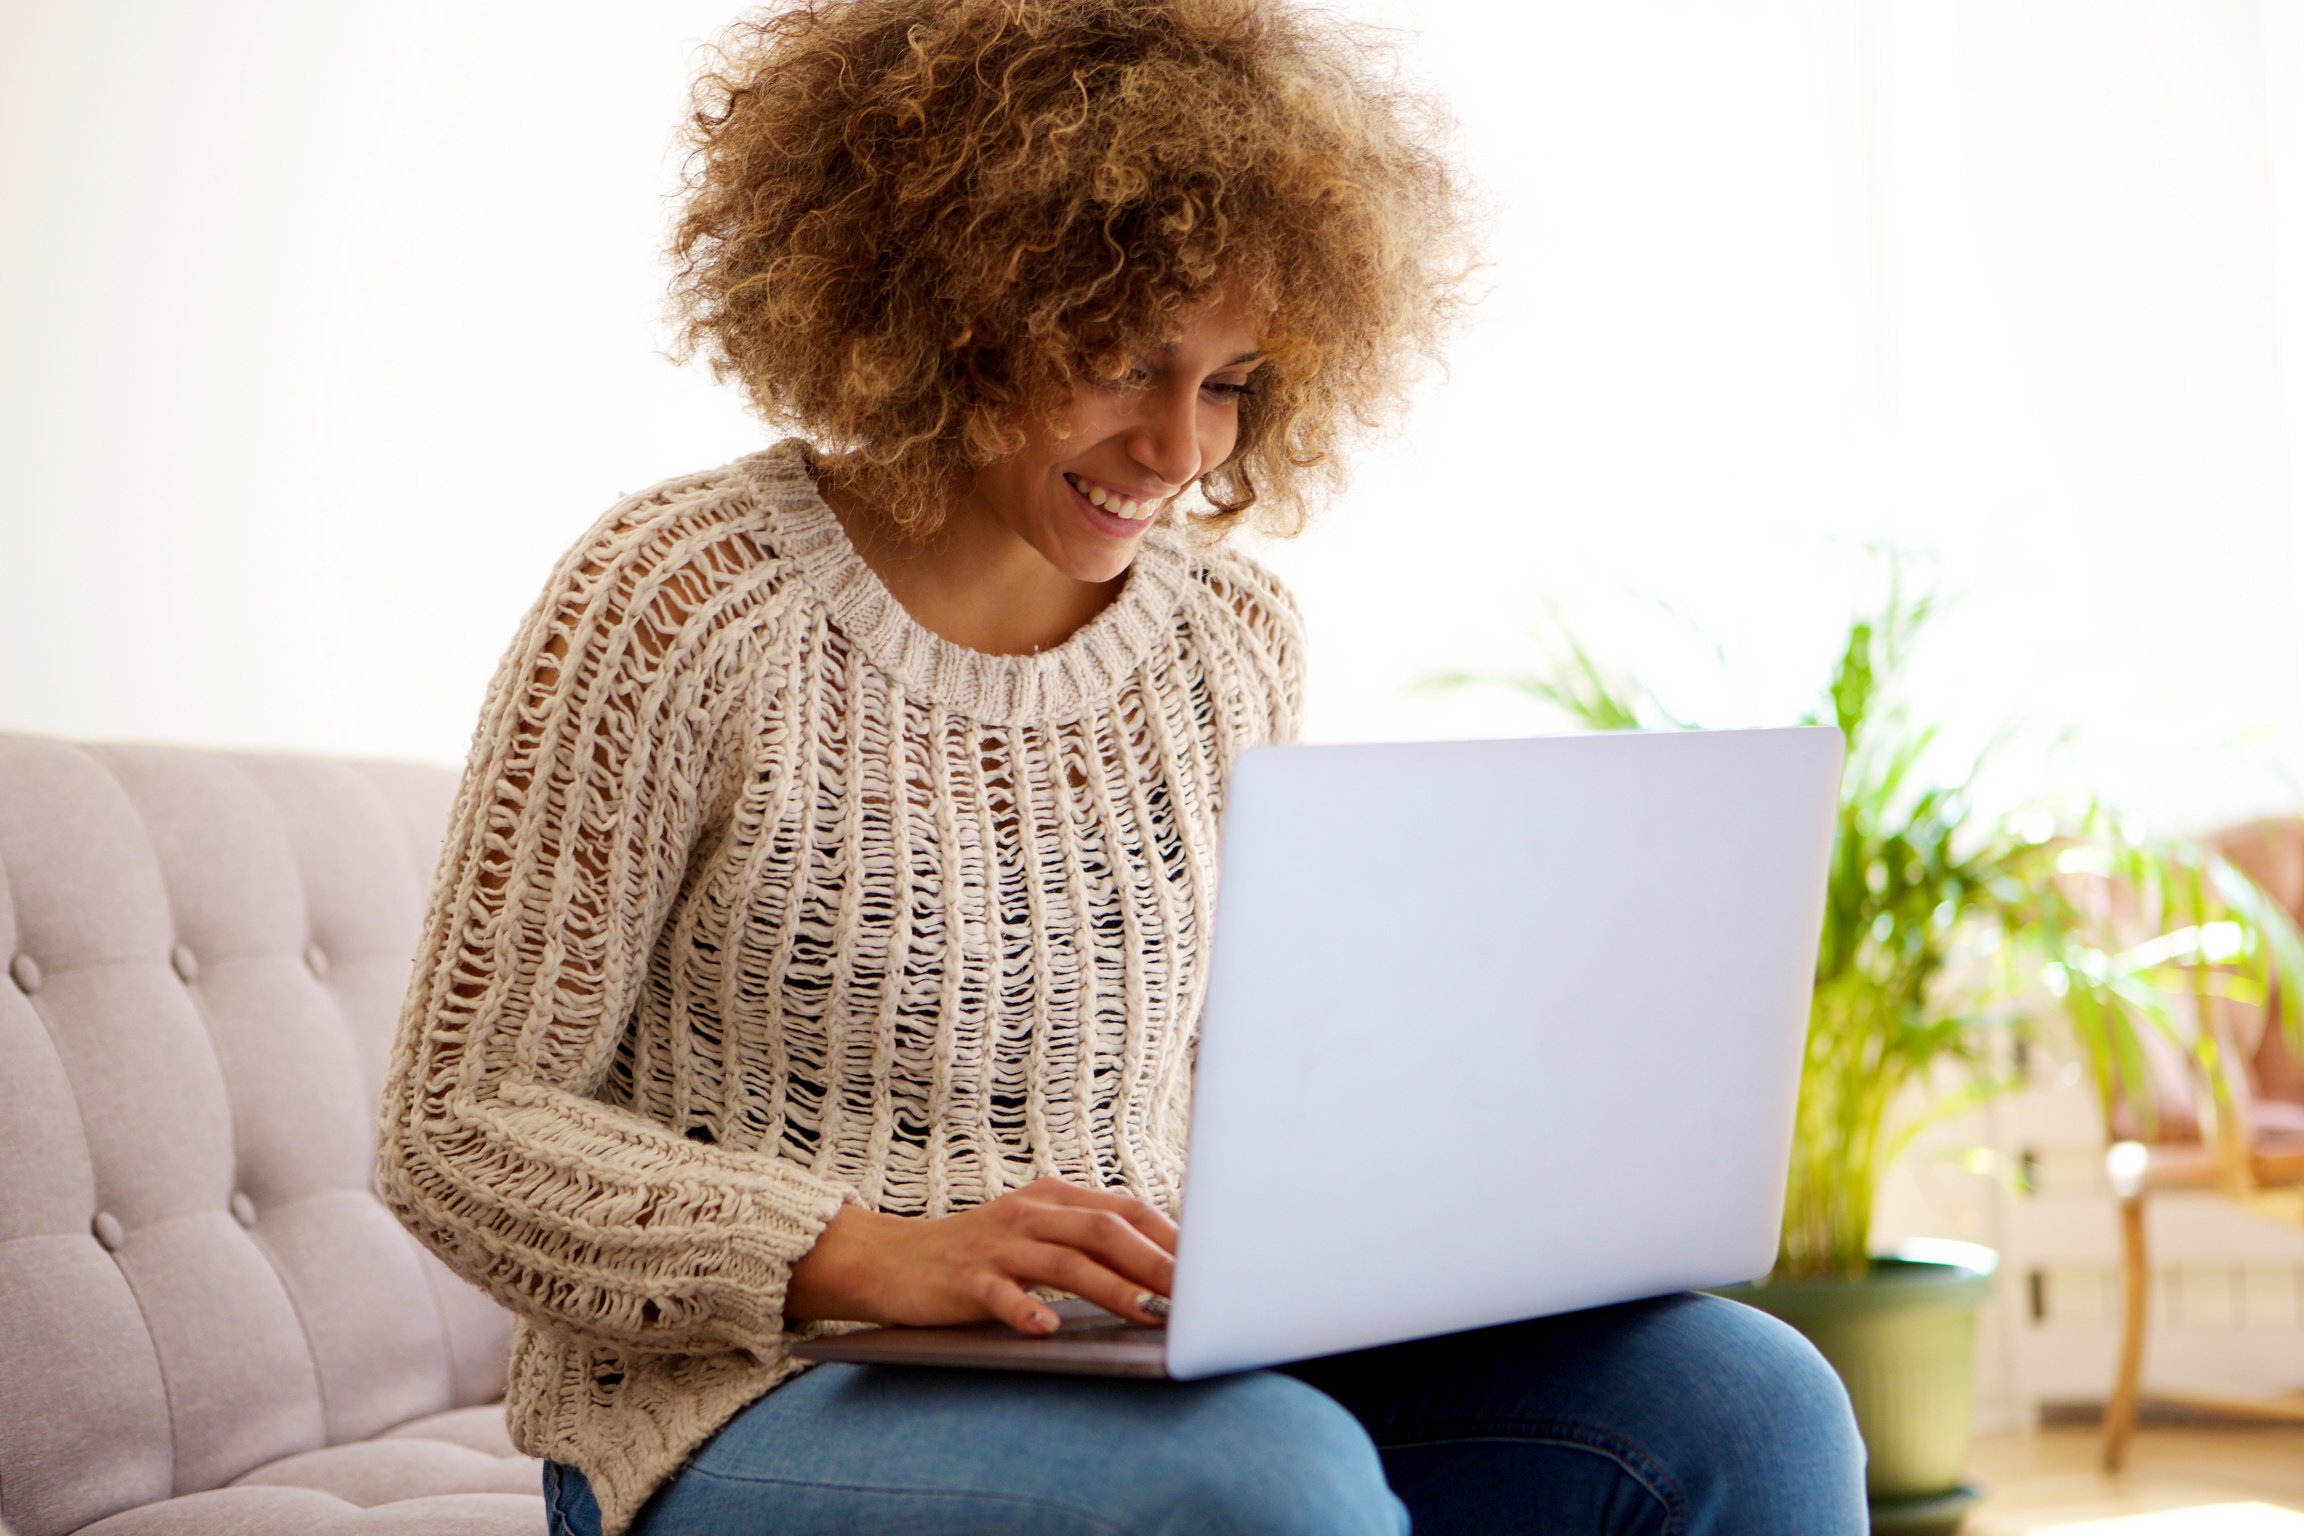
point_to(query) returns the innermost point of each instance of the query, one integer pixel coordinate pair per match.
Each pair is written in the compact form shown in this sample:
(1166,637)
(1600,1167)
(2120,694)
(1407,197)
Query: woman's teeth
(1118,506)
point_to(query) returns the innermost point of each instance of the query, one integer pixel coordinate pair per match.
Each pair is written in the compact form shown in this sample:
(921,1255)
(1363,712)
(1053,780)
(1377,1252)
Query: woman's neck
(972,581)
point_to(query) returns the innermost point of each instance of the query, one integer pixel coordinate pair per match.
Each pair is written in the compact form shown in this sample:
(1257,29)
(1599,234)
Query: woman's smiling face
(1133,445)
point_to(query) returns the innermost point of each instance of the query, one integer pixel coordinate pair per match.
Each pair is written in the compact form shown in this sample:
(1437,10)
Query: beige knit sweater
(758,897)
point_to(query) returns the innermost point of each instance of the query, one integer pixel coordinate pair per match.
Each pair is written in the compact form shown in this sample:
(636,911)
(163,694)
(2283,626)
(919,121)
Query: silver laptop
(1493,1030)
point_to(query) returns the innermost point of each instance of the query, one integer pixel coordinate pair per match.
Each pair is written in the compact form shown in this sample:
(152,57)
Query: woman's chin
(1098,573)
(1093,562)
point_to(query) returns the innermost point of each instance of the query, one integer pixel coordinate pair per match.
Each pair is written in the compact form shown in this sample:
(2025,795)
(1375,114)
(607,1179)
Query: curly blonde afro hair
(908,223)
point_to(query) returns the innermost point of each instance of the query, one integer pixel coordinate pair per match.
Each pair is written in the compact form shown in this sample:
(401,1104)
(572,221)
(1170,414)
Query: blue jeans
(1679,1414)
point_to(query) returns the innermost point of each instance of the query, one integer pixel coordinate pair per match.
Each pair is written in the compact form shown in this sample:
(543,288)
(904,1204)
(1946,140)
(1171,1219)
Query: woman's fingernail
(1146,1301)
(1044,1320)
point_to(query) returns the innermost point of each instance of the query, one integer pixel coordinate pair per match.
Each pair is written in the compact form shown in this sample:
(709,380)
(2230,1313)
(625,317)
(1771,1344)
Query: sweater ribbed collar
(1060,683)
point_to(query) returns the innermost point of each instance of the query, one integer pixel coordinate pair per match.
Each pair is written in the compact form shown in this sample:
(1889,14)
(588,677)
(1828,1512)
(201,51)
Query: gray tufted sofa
(208,1322)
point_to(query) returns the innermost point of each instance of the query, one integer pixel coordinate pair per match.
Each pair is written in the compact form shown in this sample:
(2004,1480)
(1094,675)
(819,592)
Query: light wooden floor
(2181,1480)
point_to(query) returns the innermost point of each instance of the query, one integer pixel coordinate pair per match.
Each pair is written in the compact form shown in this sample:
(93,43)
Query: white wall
(1673,388)
(326,329)
(2084,298)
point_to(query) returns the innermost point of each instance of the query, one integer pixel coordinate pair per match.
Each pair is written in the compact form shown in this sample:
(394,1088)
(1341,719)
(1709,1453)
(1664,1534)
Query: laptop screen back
(1496,1029)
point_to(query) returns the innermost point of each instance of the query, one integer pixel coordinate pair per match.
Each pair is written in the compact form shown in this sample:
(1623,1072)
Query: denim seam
(1659,1484)
(1057,1507)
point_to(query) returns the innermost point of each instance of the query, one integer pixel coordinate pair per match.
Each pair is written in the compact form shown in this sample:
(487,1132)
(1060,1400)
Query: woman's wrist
(839,1277)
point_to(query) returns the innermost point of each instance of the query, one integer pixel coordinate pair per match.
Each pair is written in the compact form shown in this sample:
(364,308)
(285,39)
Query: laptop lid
(1496,1029)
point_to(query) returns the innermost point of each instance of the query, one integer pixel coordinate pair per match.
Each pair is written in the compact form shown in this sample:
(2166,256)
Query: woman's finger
(1109,1236)
(1068,1269)
(1017,1307)
(1146,1217)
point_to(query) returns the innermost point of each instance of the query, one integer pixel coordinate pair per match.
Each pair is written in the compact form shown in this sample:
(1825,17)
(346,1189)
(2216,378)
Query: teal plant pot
(1903,1339)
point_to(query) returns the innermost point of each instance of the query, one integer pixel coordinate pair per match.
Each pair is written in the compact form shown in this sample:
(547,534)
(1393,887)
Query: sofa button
(181,958)
(243,1208)
(108,1231)
(26,973)
(317,959)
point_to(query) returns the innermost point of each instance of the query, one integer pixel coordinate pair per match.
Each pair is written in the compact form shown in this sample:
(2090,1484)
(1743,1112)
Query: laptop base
(1088,1341)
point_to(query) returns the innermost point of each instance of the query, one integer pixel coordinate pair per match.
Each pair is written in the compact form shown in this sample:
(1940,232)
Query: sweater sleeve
(585,790)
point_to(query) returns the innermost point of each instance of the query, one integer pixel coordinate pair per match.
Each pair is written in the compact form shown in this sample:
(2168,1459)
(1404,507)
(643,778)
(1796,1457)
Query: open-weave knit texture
(758,896)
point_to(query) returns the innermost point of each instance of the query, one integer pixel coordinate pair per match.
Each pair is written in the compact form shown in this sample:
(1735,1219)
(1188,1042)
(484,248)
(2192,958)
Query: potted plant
(1952,936)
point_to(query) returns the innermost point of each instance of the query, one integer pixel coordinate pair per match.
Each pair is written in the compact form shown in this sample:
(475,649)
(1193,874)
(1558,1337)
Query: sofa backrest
(202,959)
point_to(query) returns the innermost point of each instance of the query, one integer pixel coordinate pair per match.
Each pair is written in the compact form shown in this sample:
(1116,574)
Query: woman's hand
(975,1264)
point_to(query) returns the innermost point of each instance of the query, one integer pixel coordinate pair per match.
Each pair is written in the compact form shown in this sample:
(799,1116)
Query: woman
(817,938)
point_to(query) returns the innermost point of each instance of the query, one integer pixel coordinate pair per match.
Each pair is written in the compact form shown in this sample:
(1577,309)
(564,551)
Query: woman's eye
(1141,377)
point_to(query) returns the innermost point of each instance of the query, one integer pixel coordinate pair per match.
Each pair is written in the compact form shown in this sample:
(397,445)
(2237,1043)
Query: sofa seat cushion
(478,1428)
(446,1474)
(301,1512)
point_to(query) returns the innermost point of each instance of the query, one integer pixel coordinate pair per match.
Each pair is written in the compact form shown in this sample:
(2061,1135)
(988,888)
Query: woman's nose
(1166,436)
